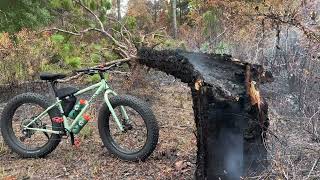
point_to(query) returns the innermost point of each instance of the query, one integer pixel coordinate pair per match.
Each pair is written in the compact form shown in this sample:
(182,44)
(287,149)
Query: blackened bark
(200,107)
(230,115)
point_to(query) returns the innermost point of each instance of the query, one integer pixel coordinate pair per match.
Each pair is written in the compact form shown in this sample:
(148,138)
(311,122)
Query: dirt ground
(293,152)
(174,157)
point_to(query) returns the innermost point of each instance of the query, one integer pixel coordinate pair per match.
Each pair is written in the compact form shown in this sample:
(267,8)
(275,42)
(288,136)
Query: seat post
(101,75)
(53,86)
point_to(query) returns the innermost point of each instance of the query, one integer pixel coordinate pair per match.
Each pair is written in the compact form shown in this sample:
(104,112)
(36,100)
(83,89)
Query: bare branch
(293,22)
(92,13)
(76,33)
(122,52)
(123,27)
(119,61)
(78,75)
(70,78)
(314,165)
(124,46)
(102,29)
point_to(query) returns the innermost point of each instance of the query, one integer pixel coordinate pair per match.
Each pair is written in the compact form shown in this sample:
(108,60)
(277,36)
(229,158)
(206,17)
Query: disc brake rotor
(27,132)
(127,126)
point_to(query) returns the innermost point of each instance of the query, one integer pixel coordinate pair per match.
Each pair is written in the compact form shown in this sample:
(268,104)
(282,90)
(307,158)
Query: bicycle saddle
(51,77)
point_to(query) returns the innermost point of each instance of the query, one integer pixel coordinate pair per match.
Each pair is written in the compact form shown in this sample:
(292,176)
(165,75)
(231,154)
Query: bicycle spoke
(24,115)
(134,137)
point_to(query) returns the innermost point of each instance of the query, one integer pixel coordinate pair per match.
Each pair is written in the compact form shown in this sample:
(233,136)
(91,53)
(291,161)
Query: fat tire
(7,132)
(150,121)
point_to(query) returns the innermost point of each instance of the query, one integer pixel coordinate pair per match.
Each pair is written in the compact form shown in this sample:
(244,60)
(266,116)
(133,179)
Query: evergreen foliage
(18,14)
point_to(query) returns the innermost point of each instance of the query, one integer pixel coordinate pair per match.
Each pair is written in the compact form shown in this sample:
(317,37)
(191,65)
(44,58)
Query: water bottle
(77,108)
(82,122)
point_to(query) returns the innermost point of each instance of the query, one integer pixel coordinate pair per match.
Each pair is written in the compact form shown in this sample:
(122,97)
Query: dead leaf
(179,165)
(9,178)
(254,94)
(198,84)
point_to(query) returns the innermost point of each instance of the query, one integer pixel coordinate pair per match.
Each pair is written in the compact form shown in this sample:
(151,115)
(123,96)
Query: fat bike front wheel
(140,135)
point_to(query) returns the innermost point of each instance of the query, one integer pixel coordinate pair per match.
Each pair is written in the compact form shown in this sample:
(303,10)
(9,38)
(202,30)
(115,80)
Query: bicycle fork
(113,113)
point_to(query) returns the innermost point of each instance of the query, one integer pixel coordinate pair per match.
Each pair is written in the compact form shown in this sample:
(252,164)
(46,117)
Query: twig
(177,127)
(315,113)
(154,32)
(219,35)
(92,13)
(119,61)
(70,78)
(76,33)
(293,22)
(314,166)
(101,30)
(59,176)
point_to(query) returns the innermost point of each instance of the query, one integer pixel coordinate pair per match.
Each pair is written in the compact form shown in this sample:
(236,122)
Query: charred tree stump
(230,115)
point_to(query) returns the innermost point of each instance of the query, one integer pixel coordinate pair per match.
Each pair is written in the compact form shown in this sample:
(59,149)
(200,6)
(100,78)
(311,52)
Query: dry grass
(293,152)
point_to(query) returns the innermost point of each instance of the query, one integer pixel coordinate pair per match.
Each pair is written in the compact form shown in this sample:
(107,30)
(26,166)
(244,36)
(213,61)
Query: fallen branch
(76,33)
(92,13)
(119,61)
(314,166)
(70,78)
(78,75)
(177,127)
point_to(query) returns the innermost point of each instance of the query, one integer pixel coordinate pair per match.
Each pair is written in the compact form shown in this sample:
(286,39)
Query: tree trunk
(155,15)
(230,115)
(180,11)
(119,9)
(174,18)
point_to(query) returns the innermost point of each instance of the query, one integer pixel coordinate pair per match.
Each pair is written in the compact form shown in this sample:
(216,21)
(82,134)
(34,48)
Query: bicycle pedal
(77,142)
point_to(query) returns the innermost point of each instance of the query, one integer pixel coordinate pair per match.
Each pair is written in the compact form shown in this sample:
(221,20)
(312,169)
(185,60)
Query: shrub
(130,22)
(96,78)
(23,58)
(57,38)
(74,62)
(109,56)
(96,58)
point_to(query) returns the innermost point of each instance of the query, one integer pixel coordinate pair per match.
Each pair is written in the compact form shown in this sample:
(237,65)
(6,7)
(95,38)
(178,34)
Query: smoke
(225,142)
(234,152)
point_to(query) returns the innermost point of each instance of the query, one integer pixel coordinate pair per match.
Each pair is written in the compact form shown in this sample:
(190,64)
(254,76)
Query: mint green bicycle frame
(102,86)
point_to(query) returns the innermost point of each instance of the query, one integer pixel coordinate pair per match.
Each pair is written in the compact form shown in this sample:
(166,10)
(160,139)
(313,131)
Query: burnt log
(230,115)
